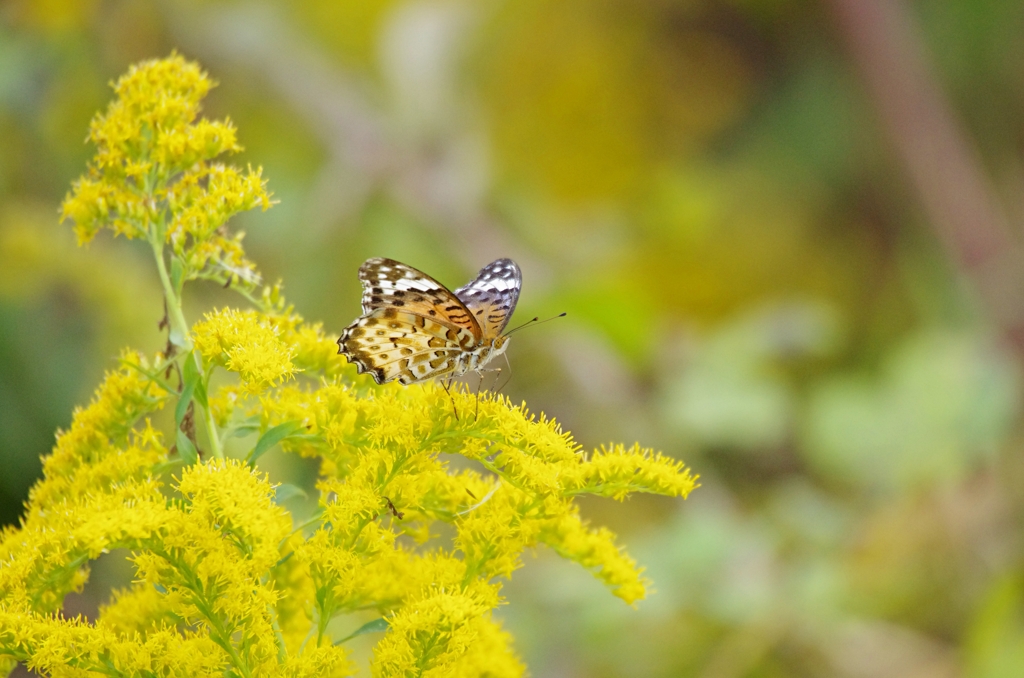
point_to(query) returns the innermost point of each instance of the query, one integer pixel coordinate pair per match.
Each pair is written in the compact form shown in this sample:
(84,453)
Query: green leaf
(176,337)
(286,491)
(272,437)
(246,426)
(186,449)
(190,373)
(374,626)
(244,429)
(183,400)
(177,274)
(167,465)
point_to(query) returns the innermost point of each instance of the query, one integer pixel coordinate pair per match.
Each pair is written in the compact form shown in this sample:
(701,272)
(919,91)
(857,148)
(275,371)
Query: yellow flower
(153,175)
(244,343)
(431,635)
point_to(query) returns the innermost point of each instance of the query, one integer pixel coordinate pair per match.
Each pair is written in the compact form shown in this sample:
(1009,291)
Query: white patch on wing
(493,294)
(407,284)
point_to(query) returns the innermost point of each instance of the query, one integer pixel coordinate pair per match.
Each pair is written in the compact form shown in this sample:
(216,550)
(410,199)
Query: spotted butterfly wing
(412,329)
(492,295)
(391,284)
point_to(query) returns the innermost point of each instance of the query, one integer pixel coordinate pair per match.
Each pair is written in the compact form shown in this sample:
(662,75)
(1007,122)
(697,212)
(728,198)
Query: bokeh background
(787,235)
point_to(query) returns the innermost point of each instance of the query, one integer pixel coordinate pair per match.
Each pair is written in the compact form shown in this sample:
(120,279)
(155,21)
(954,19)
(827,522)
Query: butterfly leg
(479,385)
(447,389)
(497,391)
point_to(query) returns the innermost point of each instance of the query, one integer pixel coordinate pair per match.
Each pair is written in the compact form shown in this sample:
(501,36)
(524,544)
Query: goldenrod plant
(227,582)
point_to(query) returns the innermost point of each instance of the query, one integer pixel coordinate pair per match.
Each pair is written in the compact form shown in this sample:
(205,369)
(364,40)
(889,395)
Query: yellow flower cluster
(203,602)
(227,582)
(153,175)
(387,451)
(245,343)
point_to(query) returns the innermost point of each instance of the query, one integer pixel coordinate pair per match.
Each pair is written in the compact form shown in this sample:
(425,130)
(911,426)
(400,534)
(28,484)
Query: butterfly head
(499,345)
(474,360)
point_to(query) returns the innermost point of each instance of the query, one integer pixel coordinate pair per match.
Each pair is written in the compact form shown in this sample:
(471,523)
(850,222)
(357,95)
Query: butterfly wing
(413,327)
(391,284)
(492,295)
(395,344)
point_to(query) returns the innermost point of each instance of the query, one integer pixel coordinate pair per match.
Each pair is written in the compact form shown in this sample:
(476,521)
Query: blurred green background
(769,254)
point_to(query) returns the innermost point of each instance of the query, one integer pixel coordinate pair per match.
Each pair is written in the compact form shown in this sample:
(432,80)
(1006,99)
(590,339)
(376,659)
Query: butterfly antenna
(536,320)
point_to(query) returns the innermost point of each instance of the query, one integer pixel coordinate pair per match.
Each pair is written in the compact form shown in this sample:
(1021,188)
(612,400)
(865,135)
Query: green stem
(179,326)
(211,427)
(174,313)
(218,633)
(282,650)
(314,519)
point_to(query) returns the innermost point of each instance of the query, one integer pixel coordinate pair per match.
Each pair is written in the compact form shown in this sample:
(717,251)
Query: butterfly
(413,328)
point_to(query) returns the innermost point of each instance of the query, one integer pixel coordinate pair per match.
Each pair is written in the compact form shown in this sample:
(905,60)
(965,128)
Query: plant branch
(179,331)
(179,327)
(939,158)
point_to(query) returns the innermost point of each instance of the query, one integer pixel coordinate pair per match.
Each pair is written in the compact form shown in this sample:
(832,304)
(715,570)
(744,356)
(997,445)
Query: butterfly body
(474,360)
(414,329)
